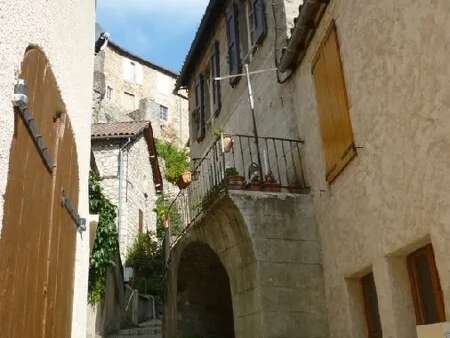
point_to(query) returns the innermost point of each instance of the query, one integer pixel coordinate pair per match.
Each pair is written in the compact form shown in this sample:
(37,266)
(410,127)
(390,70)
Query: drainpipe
(119,209)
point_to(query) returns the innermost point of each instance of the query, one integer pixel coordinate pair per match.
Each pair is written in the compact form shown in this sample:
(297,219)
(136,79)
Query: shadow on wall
(204,296)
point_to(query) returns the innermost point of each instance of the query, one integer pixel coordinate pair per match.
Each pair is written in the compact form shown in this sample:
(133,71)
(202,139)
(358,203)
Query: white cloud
(179,8)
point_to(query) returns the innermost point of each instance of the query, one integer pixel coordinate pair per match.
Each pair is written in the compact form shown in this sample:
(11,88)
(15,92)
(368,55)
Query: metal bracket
(67,204)
(20,101)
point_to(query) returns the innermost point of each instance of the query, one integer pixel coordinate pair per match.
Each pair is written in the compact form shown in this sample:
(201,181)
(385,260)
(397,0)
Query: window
(246,28)
(163,113)
(426,287)
(109,93)
(214,67)
(371,306)
(335,125)
(234,59)
(141,221)
(132,71)
(130,102)
(198,113)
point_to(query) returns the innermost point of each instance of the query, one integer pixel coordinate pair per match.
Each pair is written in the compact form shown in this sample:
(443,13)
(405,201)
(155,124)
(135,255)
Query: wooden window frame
(366,282)
(428,252)
(336,162)
(141,221)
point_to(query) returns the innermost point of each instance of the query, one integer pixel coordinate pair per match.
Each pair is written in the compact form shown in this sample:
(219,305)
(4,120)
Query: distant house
(128,166)
(130,88)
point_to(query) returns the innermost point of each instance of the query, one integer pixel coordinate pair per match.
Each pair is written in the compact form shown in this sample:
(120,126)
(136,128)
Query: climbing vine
(164,211)
(176,160)
(106,247)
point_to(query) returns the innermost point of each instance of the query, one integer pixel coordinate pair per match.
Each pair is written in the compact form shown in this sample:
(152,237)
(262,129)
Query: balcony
(238,162)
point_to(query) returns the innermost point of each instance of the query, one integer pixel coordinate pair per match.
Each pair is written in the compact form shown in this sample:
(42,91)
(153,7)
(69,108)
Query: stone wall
(393,198)
(64,30)
(155,86)
(137,192)
(269,247)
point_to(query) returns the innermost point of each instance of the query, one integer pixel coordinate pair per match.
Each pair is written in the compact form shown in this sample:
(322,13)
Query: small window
(141,221)
(130,101)
(132,72)
(332,103)
(426,287)
(371,307)
(109,91)
(163,113)
(198,113)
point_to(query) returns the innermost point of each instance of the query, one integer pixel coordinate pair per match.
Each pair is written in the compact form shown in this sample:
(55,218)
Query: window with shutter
(234,59)
(215,72)
(257,21)
(332,103)
(426,287)
(371,307)
(199,111)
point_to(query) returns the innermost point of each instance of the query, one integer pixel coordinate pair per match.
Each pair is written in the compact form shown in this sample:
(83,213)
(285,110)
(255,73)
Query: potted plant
(255,184)
(271,184)
(233,180)
(184,180)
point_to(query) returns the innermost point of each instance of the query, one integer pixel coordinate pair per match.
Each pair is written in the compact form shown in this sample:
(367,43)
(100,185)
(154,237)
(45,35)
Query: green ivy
(106,246)
(163,210)
(175,160)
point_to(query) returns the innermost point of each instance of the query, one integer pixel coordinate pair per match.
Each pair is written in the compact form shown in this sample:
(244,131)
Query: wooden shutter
(426,287)
(258,14)
(215,72)
(234,57)
(141,221)
(371,307)
(200,108)
(331,95)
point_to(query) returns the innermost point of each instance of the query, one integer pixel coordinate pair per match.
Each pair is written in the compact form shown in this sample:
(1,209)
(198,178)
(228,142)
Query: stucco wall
(65,32)
(155,86)
(137,181)
(273,102)
(393,197)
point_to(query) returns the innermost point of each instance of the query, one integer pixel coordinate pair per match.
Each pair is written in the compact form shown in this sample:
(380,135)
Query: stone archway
(203,294)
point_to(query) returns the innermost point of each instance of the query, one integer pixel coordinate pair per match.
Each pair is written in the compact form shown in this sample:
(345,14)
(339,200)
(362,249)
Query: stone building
(44,166)
(130,88)
(364,252)
(126,158)
(249,262)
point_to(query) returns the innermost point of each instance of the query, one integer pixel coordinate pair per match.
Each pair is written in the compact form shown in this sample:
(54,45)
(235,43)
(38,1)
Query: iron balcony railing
(238,162)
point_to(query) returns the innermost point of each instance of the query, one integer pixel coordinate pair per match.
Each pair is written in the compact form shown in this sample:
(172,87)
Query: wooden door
(37,244)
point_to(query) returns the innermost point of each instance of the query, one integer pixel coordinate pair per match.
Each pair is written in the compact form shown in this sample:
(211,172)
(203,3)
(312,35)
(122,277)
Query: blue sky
(158,30)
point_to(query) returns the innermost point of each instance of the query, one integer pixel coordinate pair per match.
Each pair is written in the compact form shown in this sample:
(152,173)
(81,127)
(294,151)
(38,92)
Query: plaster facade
(126,94)
(137,191)
(274,108)
(64,30)
(393,197)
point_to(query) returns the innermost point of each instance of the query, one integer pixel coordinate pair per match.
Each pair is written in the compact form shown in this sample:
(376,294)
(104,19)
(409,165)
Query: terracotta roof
(204,32)
(118,129)
(305,25)
(133,129)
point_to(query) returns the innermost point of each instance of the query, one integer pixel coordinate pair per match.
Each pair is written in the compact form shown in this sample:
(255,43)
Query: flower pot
(255,186)
(184,180)
(235,182)
(272,187)
(227,144)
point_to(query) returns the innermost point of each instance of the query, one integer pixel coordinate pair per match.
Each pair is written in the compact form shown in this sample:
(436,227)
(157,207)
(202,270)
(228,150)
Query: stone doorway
(204,298)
